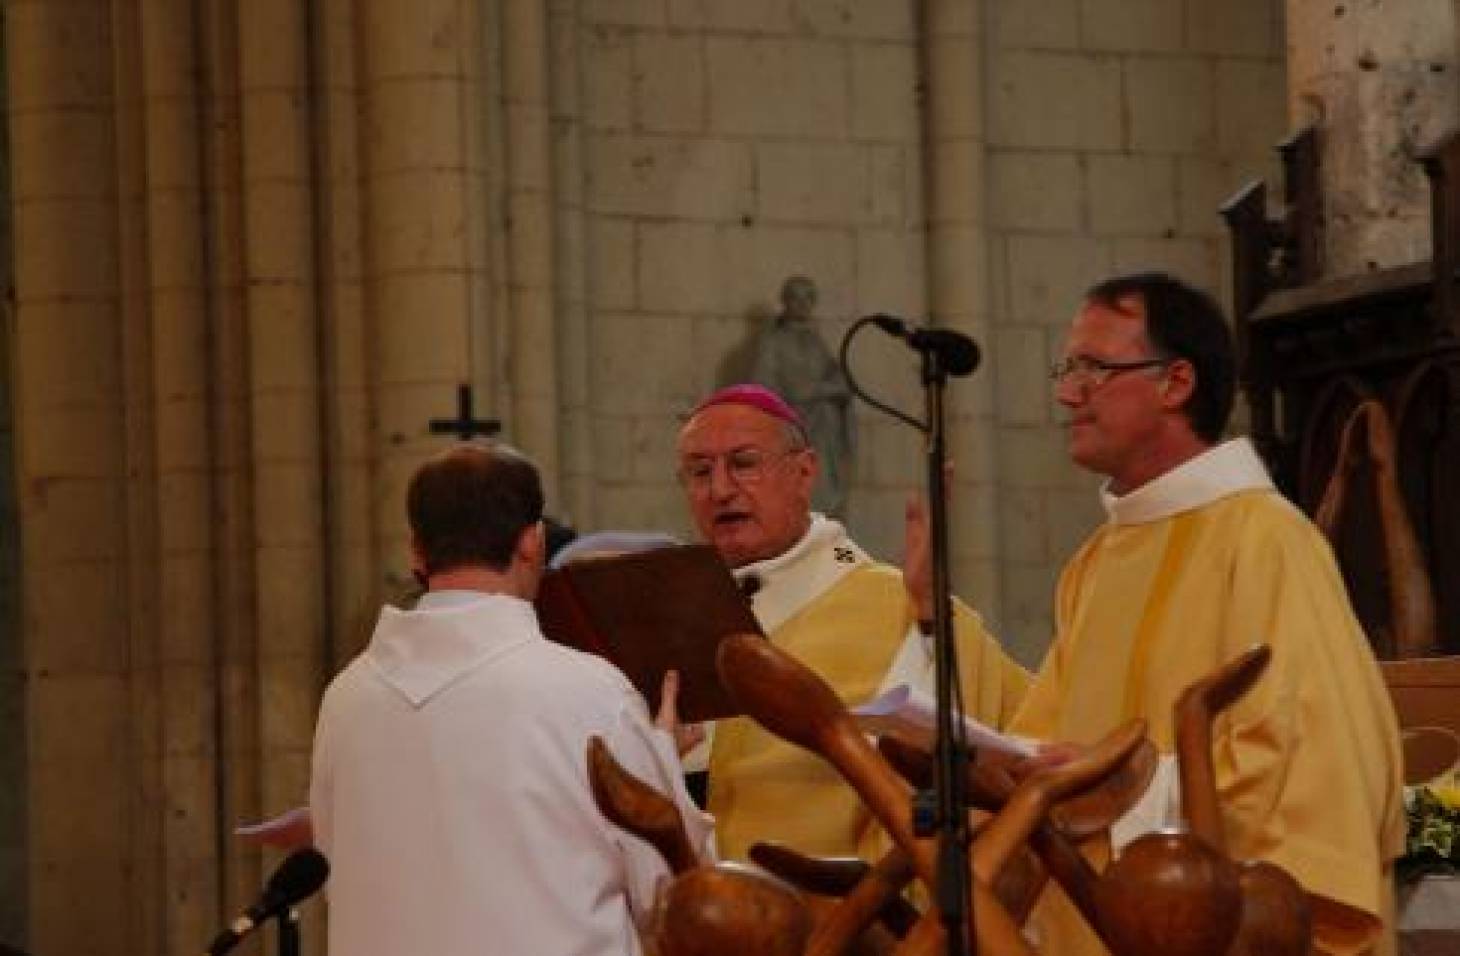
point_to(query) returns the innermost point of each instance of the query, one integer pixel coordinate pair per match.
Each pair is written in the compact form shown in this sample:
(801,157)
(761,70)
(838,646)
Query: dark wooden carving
(1312,351)
(1366,443)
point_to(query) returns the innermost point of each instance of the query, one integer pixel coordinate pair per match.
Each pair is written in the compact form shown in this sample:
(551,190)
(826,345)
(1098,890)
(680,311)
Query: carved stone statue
(791,358)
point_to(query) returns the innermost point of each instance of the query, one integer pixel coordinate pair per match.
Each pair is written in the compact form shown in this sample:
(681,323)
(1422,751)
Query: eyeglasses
(745,466)
(1083,371)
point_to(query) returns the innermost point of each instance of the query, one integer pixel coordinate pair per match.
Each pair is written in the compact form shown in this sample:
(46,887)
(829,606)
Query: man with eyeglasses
(747,470)
(1200,558)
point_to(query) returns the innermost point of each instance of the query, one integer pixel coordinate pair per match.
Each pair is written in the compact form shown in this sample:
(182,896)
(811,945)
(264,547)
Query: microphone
(297,878)
(958,352)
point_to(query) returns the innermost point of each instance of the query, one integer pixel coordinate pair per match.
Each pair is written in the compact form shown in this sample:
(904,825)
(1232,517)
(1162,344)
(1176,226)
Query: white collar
(448,598)
(423,651)
(791,580)
(1224,470)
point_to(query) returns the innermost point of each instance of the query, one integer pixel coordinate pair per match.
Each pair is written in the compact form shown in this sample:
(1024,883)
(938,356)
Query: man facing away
(747,470)
(1200,558)
(449,784)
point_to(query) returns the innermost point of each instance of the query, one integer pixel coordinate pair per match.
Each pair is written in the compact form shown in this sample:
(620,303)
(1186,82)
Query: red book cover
(650,612)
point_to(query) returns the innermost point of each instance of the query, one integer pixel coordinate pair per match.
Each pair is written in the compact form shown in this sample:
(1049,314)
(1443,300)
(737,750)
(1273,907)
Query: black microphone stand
(289,932)
(950,753)
(941,812)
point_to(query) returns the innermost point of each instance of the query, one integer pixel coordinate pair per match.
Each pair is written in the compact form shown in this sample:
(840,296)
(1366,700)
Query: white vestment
(450,790)
(791,581)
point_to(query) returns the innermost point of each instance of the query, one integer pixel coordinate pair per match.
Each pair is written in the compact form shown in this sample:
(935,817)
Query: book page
(911,715)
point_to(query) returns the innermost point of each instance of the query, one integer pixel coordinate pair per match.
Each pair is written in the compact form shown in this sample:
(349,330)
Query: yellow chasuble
(1308,763)
(763,788)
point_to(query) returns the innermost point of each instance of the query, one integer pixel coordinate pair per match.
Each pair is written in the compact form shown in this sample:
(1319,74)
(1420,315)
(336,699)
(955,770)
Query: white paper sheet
(910,715)
(292,827)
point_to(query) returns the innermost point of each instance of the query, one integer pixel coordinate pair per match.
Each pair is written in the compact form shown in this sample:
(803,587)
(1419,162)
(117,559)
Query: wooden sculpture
(1179,892)
(1412,628)
(1168,894)
(1175,896)
(730,906)
(1052,843)
(1194,714)
(792,702)
(1027,808)
(632,804)
(1051,850)
(724,909)
(874,889)
(1276,919)
(730,910)
(992,778)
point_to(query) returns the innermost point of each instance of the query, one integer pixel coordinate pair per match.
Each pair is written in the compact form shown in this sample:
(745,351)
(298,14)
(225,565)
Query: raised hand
(917,562)
(686,736)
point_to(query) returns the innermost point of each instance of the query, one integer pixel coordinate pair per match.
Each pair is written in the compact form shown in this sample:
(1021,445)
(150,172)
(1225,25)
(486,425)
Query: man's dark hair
(1183,322)
(559,536)
(469,505)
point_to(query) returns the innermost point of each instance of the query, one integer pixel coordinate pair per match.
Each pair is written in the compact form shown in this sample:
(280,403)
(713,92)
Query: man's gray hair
(796,439)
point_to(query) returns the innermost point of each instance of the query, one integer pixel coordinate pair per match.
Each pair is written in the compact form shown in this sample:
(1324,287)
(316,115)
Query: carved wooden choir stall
(1354,388)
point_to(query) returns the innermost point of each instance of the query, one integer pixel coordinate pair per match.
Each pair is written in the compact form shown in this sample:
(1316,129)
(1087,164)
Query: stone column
(355,589)
(576,481)
(233,568)
(530,227)
(70,432)
(1379,79)
(169,382)
(282,394)
(116,458)
(953,149)
(492,343)
(418,271)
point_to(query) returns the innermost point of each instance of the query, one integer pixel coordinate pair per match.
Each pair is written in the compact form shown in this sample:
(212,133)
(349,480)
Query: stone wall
(1117,128)
(729,145)
(1378,80)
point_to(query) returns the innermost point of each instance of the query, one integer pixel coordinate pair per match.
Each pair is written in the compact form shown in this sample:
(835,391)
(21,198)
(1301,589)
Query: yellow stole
(763,788)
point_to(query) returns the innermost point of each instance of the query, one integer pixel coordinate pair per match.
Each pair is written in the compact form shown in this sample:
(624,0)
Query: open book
(910,715)
(650,612)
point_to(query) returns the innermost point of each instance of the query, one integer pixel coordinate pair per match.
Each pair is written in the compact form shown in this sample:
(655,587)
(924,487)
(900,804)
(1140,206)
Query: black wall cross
(464,426)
